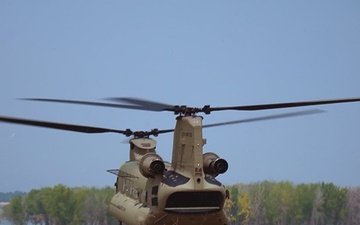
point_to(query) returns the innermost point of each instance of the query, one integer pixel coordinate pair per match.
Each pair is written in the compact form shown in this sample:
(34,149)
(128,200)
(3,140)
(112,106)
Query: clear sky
(221,53)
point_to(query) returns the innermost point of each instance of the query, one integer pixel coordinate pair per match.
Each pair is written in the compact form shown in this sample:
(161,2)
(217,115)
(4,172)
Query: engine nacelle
(151,164)
(214,165)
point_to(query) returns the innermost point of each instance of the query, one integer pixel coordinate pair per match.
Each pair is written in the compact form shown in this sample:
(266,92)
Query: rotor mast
(187,155)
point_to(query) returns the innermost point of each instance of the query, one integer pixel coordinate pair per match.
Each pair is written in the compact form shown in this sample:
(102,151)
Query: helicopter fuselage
(183,193)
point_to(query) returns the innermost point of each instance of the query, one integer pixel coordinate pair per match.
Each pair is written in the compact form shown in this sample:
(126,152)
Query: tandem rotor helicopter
(150,191)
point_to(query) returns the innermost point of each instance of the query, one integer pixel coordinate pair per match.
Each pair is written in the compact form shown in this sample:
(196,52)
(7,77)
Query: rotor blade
(59,126)
(84,103)
(145,104)
(165,131)
(141,104)
(285,105)
(278,116)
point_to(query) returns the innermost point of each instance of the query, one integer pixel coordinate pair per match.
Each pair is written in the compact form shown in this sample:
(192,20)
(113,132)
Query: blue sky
(190,52)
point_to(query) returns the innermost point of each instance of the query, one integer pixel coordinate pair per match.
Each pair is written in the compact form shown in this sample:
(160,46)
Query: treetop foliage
(281,203)
(260,203)
(61,205)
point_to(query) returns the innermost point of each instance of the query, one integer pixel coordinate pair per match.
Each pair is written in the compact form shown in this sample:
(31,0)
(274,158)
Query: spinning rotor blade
(146,104)
(59,126)
(156,106)
(285,105)
(141,104)
(84,103)
(277,116)
(82,129)
(154,132)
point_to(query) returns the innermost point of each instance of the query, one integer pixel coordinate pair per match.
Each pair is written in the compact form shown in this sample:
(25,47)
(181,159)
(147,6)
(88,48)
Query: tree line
(261,203)
(7,196)
(61,205)
(283,203)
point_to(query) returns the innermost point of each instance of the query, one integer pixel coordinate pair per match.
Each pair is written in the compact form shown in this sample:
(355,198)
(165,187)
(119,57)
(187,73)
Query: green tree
(272,198)
(79,198)
(334,203)
(303,199)
(35,208)
(60,205)
(15,212)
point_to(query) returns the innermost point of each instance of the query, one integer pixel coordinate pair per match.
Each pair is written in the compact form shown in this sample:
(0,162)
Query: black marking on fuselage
(212,180)
(174,179)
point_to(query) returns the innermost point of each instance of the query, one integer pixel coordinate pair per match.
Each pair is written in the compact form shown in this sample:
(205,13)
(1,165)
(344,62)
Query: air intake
(194,202)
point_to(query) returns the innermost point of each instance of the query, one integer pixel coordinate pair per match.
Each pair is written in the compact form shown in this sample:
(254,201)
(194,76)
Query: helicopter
(186,190)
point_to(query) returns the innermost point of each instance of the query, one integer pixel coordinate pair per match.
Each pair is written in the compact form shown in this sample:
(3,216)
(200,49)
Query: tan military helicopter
(150,191)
